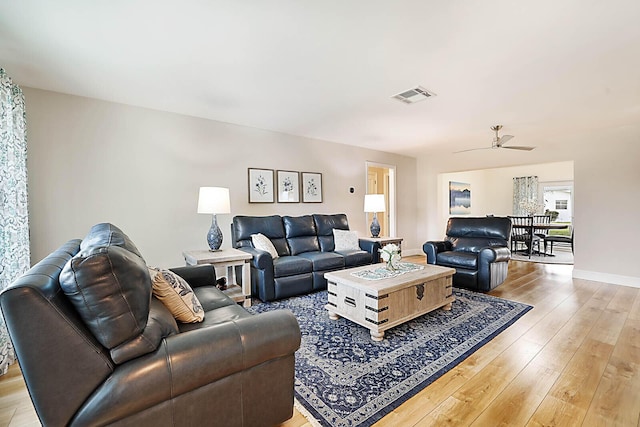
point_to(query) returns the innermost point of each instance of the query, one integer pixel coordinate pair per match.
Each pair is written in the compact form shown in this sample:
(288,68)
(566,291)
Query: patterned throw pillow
(176,294)
(262,242)
(345,240)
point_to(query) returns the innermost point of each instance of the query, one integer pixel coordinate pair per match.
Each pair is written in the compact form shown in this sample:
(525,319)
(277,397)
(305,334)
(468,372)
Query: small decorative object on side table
(228,259)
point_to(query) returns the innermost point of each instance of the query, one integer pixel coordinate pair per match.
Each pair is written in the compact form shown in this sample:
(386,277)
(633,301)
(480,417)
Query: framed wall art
(311,187)
(459,198)
(261,186)
(288,186)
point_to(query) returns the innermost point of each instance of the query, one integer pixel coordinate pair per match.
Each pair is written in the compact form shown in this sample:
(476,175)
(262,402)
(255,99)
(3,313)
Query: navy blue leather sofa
(305,247)
(478,248)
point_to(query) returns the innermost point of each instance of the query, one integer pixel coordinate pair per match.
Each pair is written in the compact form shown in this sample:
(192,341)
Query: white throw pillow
(262,242)
(345,240)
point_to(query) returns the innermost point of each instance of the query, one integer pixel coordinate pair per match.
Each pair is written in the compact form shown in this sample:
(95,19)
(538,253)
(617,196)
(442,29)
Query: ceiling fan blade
(504,138)
(472,149)
(514,147)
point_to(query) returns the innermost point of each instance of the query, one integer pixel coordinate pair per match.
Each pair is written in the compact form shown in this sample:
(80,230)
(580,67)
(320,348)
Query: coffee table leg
(377,336)
(333,316)
(447,307)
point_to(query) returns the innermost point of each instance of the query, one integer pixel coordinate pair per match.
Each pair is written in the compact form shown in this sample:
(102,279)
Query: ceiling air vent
(414,95)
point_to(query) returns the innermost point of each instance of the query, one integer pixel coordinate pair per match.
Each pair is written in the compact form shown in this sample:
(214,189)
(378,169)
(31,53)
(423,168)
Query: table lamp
(374,203)
(214,200)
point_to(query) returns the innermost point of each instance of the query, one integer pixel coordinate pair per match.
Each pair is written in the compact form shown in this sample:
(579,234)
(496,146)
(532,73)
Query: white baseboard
(614,279)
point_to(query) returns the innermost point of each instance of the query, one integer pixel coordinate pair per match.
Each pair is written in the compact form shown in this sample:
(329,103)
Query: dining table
(541,227)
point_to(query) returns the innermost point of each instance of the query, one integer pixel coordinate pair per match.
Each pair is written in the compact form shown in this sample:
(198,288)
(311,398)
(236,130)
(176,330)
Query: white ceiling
(327,69)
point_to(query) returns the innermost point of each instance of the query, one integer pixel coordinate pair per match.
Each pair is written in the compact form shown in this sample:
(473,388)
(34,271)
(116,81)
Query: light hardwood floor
(574,360)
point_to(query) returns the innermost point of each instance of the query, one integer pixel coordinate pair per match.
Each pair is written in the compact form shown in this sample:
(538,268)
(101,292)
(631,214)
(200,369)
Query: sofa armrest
(197,275)
(432,248)
(372,247)
(189,360)
(261,259)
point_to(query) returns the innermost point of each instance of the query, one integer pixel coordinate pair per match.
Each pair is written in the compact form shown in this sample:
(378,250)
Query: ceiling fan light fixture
(416,94)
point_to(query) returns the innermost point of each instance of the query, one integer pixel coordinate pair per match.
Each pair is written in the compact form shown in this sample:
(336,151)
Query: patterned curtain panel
(14,217)
(525,195)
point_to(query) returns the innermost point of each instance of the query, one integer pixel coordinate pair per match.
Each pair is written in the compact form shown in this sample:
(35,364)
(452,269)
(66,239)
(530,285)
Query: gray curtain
(525,196)
(14,215)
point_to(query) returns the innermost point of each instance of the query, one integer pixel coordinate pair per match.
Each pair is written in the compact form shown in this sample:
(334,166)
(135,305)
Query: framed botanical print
(288,186)
(311,187)
(261,186)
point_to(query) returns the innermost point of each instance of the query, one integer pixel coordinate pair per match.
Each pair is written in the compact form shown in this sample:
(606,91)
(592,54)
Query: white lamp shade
(214,200)
(374,203)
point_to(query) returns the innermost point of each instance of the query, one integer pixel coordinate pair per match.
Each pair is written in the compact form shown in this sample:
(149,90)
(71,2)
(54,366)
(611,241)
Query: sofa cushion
(212,298)
(262,242)
(473,244)
(480,227)
(458,259)
(324,260)
(105,234)
(325,224)
(301,234)
(220,315)
(345,240)
(291,265)
(270,226)
(111,290)
(176,294)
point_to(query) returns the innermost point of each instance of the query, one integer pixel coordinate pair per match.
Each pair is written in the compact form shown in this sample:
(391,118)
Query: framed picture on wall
(261,186)
(311,187)
(288,186)
(459,198)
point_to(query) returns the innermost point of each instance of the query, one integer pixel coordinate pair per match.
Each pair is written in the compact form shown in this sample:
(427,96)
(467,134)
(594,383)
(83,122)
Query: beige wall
(91,161)
(606,196)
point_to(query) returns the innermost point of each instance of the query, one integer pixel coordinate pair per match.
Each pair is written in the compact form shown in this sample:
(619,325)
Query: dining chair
(568,240)
(522,232)
(541,232)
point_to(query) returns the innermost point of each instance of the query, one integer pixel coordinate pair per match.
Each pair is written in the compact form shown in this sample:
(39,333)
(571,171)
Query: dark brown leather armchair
(233,369)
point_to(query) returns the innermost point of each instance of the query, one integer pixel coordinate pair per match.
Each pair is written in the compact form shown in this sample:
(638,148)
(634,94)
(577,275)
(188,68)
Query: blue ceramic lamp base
(375,226)
(214,236)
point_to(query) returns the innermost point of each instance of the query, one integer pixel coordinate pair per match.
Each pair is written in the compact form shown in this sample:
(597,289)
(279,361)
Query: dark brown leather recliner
(101,350)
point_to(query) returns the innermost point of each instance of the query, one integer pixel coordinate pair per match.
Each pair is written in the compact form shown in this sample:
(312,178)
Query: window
(562,204)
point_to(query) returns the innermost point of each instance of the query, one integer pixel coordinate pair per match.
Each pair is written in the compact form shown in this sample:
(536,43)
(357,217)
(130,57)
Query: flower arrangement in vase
(390,254)
(530,207)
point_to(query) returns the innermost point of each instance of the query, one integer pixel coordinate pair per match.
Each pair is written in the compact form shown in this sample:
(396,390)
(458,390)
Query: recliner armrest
(262,260)
(372,247)
(432,248)
(494,254)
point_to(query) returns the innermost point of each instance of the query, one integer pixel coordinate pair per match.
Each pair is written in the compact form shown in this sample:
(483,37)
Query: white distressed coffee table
(381,304)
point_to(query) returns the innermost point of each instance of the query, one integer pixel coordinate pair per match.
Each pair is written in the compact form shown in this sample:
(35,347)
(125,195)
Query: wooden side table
(229,259)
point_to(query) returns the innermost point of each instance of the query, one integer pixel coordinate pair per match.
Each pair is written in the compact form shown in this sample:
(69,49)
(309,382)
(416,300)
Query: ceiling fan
(498,142)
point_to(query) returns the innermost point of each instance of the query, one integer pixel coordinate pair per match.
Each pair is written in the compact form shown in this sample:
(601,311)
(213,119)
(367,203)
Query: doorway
(381,180)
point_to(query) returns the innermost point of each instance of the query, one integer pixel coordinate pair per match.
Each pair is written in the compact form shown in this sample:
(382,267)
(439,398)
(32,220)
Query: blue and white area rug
(343,378)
